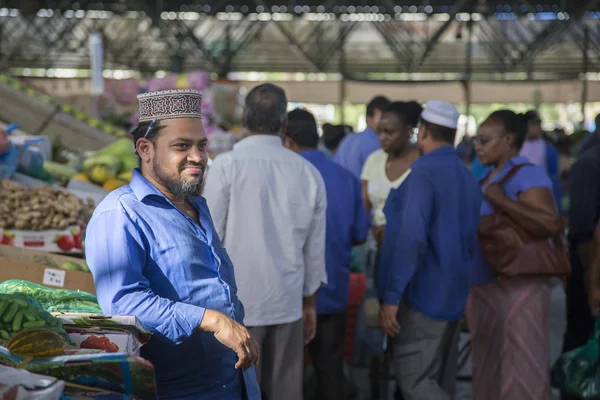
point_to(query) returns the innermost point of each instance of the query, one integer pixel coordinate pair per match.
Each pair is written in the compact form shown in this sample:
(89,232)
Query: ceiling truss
(149,42)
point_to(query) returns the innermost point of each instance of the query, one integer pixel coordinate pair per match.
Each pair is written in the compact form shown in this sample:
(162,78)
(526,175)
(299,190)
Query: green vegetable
(4,334)
(20,302)
(28,315)
(34,324)
(17,321)
(10,314)
(111,162)
(3,306)
(59,171)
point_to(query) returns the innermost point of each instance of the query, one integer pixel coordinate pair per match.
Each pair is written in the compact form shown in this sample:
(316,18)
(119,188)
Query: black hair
(265,109)
(139,133)
(531,116)
(408,112)
(302,128)
(377,103)
(440,133)
(301,114)
(513,124)
(333,135)
(597,122)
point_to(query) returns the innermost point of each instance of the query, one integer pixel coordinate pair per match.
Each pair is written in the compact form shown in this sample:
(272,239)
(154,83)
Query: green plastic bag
(24,304)
(577,372)
(54,300)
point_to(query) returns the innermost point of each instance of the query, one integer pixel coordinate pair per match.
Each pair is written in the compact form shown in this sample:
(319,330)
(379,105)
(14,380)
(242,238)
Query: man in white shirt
(269,208)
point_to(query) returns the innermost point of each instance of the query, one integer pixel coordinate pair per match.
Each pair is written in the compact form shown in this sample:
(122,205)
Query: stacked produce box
(62,334)
(45,218)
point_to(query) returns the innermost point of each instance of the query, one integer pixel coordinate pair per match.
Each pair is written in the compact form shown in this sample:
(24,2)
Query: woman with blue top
(508,316)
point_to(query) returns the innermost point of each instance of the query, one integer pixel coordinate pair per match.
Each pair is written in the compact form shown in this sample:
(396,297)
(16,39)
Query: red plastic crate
(358,287)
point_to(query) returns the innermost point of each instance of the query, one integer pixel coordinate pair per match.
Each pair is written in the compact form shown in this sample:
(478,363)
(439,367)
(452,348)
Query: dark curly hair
(408,112)
(513,123)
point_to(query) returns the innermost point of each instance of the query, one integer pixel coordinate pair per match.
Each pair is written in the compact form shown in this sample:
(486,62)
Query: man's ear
(510,140)
(284,126)
(422,134)
(144,149)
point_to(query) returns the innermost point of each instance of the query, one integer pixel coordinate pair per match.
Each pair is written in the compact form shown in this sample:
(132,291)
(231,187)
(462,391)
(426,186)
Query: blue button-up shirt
(355,149)
(430,237)
(153,261)
(347,223)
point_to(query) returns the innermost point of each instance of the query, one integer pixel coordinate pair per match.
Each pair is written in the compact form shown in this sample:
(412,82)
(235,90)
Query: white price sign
(54,277)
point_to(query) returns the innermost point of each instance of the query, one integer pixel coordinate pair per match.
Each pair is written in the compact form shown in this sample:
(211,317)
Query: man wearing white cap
(429,239)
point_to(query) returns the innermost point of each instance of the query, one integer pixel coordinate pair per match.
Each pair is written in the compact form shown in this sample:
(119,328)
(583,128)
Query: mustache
(194,165)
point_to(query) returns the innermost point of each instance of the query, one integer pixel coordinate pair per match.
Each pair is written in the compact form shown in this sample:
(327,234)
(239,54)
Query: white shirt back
(268,205)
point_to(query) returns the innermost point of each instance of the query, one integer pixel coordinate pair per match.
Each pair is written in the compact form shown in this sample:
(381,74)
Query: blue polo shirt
(347,222)
(355,149)
(431,236)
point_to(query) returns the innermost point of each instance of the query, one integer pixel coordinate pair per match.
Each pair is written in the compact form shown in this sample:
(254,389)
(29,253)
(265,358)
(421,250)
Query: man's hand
(388,319)
(309,318)
(233,335)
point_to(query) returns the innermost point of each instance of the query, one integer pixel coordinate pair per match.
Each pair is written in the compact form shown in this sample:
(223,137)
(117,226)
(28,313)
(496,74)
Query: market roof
(553,39)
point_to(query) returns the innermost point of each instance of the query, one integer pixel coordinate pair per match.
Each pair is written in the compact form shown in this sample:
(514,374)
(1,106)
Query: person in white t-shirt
(386,169)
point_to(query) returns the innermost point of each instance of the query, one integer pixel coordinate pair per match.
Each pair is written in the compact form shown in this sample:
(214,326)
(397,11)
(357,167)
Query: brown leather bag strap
(513,171)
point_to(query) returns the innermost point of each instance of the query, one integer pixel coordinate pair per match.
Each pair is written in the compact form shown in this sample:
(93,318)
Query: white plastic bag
(31,386)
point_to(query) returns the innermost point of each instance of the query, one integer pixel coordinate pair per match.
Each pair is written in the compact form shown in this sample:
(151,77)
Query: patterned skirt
(509,324)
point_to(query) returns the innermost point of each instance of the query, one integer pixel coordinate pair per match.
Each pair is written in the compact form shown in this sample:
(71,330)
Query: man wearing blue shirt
(347,225)
(355,149)
(425,265)
(154,253)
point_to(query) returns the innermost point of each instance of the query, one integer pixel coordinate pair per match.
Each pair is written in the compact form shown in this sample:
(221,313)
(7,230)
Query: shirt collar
(439,152)
(313,154)
(370,132)
(143,188)
(518,160)
(268,140)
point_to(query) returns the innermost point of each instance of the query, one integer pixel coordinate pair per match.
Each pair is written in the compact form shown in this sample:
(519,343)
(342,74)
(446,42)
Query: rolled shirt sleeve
(315,274)
(408,212)
(116,256)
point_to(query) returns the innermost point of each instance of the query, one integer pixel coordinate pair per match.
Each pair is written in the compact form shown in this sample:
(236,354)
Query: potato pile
(40,208)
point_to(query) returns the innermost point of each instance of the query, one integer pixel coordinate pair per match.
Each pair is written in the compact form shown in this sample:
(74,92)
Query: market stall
(55,343)
(61,334)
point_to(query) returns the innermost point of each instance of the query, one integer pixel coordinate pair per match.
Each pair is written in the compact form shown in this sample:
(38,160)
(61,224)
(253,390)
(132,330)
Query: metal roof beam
(462,6)
(297,48)
(553,30)
(341,38)
(401,53)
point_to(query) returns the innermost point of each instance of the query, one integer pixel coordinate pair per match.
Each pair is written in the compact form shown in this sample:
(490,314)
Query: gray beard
(182,189)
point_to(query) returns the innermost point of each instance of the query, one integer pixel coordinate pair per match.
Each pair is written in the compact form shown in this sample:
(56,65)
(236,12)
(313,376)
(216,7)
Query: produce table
(87,354)
(51,325)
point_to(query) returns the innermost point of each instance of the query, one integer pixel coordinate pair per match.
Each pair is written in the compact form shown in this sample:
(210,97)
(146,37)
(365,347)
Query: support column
(468,74)
(584,71)
(342,67)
